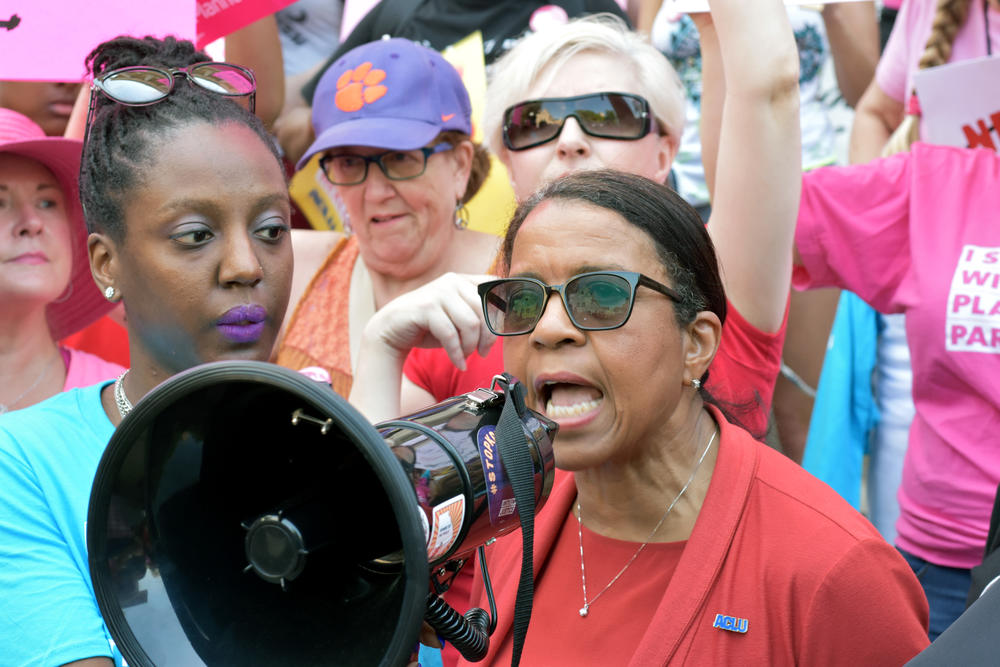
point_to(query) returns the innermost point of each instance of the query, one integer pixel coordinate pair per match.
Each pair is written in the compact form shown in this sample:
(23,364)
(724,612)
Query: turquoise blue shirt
(48,457)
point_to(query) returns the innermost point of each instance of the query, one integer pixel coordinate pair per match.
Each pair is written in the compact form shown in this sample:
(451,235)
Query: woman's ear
(701,342)
(462,152)
(666,151)
(104,263)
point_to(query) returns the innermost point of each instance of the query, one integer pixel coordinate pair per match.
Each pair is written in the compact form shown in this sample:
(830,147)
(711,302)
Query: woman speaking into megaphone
(671,535)
(188,210)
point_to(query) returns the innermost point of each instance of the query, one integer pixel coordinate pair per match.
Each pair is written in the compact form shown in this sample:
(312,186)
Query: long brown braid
(948,20)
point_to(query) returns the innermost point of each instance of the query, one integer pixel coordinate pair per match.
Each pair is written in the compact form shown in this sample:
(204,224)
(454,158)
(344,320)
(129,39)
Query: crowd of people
(677,190)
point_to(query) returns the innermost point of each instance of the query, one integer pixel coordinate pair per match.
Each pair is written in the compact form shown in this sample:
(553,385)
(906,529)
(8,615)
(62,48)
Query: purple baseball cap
(391,93)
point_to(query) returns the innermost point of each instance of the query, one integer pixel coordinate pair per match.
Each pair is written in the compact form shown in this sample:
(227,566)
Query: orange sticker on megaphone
(447,519)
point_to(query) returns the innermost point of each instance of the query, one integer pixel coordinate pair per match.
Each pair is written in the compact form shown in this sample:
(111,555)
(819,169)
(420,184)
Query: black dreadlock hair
(118,147)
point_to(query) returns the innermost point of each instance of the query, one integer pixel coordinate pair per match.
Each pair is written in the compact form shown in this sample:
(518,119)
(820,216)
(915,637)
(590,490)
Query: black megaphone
(245,514)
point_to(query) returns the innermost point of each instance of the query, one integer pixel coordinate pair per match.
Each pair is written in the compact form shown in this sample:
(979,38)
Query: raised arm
(852,29)
(646,11)
(258,47)
(751,151)
(875,119)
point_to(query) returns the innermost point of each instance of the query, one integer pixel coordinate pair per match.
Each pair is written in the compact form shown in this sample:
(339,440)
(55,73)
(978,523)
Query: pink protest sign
(47,40)
(218,18)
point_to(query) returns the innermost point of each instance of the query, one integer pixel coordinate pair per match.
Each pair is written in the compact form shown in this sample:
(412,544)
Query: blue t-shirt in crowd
(48,458)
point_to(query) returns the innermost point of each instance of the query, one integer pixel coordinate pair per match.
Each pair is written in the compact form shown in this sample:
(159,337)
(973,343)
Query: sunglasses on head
(142,85)
(606,115)
(594,301)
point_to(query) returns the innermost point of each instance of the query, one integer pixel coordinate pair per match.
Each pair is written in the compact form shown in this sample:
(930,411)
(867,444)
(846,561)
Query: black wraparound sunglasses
(607,115)
(594,301)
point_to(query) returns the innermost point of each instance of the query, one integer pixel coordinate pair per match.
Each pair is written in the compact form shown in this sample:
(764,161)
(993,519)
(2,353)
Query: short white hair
(514,74)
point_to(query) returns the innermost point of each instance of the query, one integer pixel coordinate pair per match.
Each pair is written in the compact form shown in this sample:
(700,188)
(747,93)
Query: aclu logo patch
(730,623)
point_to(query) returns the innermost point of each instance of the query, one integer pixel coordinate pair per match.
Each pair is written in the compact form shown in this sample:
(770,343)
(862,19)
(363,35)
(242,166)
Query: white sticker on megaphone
(427,527)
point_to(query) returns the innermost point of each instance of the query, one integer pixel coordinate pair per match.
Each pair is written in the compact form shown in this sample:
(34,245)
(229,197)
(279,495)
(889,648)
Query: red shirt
(774,552)
(741,377)
(104,338)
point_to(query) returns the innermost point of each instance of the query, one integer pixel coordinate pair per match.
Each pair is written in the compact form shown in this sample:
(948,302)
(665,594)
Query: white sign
(695,6)
(972,323)
(960,103)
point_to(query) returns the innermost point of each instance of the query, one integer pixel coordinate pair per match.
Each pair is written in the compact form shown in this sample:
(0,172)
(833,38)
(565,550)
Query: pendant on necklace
(584,611)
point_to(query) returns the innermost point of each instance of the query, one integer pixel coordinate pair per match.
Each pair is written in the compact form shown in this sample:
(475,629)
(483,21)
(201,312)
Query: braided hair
(948,19)
(119,147)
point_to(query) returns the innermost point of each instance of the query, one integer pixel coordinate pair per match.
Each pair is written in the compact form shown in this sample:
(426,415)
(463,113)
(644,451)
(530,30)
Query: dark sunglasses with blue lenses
(594,301)
(606,115)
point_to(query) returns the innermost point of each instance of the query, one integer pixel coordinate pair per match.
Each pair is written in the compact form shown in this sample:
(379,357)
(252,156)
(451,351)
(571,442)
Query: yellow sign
(491,208)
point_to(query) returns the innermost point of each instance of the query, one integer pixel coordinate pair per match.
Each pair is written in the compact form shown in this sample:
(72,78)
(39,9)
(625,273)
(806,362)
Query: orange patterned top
(318,334)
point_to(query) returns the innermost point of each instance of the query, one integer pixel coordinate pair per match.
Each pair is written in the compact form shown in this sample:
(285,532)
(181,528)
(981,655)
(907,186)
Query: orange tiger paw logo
(358,87)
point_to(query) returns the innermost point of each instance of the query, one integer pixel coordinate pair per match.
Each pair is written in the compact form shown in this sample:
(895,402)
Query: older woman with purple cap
(45,283)
(393,127)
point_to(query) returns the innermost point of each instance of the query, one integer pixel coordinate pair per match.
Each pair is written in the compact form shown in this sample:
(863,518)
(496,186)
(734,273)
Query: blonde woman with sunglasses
(188,211)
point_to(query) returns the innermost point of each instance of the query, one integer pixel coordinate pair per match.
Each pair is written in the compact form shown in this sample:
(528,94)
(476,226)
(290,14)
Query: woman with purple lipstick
(188,210)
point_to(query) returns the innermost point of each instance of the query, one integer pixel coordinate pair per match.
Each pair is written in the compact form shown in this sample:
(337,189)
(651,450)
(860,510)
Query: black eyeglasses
(606,115)
(352,169)
(142,85)
(594,301)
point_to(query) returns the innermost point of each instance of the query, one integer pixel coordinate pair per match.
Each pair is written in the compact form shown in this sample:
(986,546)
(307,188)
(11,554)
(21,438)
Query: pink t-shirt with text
(920,233)
(901,58)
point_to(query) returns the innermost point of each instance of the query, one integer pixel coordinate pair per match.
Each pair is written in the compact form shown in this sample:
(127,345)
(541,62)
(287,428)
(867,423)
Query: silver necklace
(121,400)
(585,609)
(7,407)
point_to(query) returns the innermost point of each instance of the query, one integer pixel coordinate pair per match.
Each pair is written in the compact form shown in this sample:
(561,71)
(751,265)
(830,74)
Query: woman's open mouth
(569,403)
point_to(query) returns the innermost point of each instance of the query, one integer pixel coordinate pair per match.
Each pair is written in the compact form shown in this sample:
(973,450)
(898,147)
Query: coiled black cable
(468,633)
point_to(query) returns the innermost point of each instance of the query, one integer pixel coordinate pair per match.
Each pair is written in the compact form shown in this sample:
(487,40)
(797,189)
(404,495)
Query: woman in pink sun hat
(45,283)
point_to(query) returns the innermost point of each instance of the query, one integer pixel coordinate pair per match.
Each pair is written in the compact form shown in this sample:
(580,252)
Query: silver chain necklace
(7,407)
(585,609)
(121,400)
